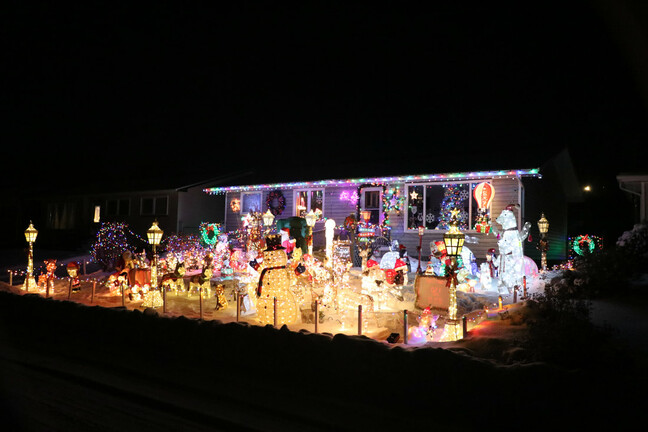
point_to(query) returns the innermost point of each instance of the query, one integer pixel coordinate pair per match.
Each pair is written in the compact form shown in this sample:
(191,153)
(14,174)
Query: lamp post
(311,217)
(454,240)
(421,231)
(268,220)
(30,235)
(543,226)
(154,235)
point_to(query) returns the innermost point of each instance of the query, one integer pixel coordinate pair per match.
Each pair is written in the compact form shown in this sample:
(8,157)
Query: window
(250,202)
(372,201)
(157,206)
(429,205)
(118,207)
(307,200)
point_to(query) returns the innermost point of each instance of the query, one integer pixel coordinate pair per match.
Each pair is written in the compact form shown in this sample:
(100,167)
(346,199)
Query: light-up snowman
(274,283)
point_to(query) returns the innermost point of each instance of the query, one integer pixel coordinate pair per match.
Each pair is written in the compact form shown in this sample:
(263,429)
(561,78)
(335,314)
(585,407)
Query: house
(636,185)
(402,204)
(72,217)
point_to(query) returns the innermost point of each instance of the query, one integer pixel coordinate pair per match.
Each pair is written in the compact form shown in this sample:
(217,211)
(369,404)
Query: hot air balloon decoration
(483,193)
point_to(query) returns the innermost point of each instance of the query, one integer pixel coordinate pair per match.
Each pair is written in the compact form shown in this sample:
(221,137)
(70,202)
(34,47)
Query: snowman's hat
(273,243)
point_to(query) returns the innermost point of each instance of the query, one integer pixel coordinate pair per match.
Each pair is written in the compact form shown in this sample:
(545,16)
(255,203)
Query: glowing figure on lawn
(488,272)
(46,281)
(274,283)
(511,258)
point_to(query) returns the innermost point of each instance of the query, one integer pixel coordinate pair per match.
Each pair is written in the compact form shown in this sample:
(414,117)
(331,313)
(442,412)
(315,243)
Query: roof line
(535,172)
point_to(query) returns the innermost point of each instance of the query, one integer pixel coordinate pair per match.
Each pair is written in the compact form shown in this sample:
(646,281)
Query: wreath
(583,243)
(209,233)
(276,202)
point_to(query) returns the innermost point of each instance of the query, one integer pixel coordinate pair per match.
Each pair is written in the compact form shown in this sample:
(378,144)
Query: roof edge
(472,175)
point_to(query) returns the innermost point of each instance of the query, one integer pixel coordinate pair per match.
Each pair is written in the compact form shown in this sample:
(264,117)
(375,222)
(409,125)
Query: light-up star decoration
(453,216)
(414,195)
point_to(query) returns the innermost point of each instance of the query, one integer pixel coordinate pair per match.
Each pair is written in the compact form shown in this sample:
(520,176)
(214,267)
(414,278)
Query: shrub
(560,330)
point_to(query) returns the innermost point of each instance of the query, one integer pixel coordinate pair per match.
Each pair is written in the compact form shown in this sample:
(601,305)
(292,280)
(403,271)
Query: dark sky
(93,91)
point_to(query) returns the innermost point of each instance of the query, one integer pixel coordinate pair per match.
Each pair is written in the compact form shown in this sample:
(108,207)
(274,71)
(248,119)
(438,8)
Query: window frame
(471,208)
(243,211)
(362,203)
(118,207)
(309,206)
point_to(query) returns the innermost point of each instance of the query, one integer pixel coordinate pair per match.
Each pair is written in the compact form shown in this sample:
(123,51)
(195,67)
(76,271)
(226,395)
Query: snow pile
(323,381)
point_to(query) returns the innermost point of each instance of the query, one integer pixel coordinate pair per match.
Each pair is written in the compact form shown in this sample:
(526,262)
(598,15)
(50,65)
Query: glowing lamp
(453,238)
(543,225)
(31,233)
(154,234)
(268,218)
(366,215)
(311,218)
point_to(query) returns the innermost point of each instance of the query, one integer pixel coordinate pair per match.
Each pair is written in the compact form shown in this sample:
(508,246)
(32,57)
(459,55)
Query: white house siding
(507,191)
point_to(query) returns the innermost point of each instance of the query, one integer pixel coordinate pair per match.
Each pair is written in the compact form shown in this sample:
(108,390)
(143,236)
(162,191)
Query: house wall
(508,191)
(195,207)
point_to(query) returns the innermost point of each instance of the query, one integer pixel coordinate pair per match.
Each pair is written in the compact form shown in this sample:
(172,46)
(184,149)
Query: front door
(371,201)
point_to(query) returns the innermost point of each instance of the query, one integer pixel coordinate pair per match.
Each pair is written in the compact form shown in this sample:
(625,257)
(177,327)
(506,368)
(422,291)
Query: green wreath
(583,241)
(276,202)
(209,233)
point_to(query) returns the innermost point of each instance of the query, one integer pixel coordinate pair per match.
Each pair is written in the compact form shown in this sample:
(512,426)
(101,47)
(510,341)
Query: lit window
(250,202)
(429,205)
(307,200)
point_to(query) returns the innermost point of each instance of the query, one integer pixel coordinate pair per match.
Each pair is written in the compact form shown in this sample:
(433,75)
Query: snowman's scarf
(258,291)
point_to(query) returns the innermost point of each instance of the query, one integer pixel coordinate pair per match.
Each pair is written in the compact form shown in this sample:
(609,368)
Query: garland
(276,202)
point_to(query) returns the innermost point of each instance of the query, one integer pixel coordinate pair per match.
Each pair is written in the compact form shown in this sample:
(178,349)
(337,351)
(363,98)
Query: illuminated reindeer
(174,281)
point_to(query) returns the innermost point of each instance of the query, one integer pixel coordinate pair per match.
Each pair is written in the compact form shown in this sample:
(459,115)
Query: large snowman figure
(274,283)
(511,254)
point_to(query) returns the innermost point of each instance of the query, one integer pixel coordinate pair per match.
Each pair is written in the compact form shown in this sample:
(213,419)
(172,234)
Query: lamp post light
(366,215)
(154,235)
(30,235)
(454,240)
(311,218)
(268,220)
(421,231)
(543,226)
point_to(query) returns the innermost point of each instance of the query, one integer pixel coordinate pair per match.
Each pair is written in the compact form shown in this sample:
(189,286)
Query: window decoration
(235,205)
(250,202)
(349,196)
(276,202)
(393,200)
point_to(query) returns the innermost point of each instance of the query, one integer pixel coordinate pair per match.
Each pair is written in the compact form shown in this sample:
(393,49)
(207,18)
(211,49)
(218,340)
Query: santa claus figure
(511,258)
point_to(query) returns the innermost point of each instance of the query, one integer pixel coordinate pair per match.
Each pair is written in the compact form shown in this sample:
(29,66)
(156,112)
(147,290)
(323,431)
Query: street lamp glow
(154,237)
(30,235)
(268,218)
(453,240)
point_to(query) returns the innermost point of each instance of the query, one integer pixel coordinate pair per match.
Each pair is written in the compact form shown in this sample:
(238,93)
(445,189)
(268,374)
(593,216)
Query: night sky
(323,89)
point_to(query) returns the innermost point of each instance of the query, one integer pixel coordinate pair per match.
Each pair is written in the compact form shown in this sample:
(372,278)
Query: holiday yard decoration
(209,233)
(511,257)
(275,303)
(276,202)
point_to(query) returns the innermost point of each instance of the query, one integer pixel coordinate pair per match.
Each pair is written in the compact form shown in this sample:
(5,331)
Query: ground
(74,365)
